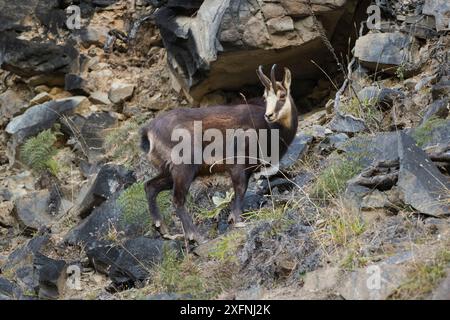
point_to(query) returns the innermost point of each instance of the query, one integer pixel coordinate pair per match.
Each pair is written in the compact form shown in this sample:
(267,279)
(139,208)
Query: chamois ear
(287,79)
(263,78)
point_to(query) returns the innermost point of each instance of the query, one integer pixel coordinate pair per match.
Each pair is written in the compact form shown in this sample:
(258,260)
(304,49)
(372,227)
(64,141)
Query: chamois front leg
(152,188)
(182,178)
(239,178)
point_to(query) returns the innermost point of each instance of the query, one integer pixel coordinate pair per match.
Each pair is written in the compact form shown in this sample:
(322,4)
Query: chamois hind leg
(239,178)
(182,178)
(152,188)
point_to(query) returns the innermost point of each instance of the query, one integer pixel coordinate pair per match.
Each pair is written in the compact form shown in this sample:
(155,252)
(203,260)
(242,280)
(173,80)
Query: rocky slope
(359,210)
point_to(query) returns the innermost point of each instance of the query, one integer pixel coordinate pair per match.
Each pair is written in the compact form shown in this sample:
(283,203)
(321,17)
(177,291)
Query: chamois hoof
(234,219)
(161,228)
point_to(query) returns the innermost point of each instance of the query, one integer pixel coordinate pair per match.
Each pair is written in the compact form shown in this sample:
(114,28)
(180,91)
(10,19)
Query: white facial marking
(271,102)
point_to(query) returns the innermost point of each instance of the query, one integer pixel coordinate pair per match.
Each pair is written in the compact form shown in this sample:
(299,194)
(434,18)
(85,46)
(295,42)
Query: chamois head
(277,96)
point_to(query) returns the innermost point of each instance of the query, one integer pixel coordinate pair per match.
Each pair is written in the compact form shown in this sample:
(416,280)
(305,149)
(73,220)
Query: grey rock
(136,259)
(31,58)
(297,149)
(280,24)
(108,181)
(120,92)
(37,210)
(439,108)
(253,200)
(438,135)
(400,258)
(424,187)
(375,200)
(24,255)
(322,279)
(442,292)
(41,117)
(369,93)
(40,98)
(76,85)
(363,284)
(52,276)
(98,224)
(441,90)
(440,9)
(9,290)
(98,97)
(347,124)
(383,50)
(93,35)
(380,147)
(102,255)
(12,103)
(222,45)
(332,142)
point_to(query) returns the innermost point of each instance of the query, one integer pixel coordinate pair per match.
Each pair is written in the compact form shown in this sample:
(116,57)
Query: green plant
(400,71)
(422,134)
(225,249)
(332,180)
(133,202)
(366,109)
(122,143)
(178,275)
(423,277)
(38,152)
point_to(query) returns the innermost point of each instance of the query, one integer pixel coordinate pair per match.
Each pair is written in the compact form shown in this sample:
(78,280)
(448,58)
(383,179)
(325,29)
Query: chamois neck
(289,126)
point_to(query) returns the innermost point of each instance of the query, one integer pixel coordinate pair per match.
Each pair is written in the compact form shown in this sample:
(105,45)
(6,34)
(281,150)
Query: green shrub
(178,275)
(333,179)
(422,134)
(133,202)
(38,152)
(122,143)
(226,248)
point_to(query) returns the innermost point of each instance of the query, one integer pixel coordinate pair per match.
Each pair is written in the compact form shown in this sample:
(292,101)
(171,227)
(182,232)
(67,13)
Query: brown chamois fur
(279,113)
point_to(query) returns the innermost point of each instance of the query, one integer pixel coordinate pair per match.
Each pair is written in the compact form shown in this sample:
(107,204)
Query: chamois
(278,113)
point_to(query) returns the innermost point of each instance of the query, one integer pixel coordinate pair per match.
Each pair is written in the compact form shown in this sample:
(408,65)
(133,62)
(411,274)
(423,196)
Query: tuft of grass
(333,179)
(133,202)
(38,152)
(179,275)
(225,249)
(365,109)
(424,277)
(345,226)
(122,143)
(422,134)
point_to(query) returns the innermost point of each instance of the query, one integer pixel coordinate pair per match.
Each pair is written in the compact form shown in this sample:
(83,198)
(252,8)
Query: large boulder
(224,42)
(31,58)
(440,9)
(41,117)
(108,181)
(136,259)
(424,187)
(385,51)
